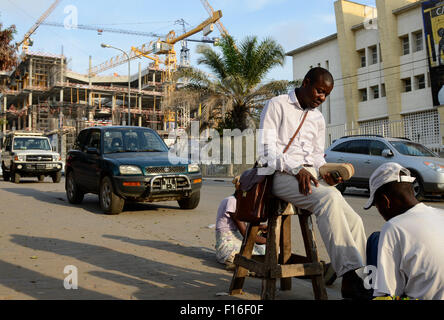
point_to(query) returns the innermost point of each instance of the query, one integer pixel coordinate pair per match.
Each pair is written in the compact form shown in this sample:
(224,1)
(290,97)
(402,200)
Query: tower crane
(27,42)
(100,30)
(223,31)
(164,47)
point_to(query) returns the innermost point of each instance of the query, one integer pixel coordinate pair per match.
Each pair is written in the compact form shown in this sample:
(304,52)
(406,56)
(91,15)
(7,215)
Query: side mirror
(387,153)
(54,148)
(92,151)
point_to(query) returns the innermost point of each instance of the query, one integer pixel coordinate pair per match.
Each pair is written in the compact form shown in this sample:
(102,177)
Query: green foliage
(235,84)
(8,54)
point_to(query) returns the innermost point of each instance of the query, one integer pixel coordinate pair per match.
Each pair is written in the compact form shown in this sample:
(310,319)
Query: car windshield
(132,140)
(31,144)
(412,149)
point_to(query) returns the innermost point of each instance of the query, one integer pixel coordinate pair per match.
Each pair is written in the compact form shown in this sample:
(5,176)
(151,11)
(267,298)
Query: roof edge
(312,44)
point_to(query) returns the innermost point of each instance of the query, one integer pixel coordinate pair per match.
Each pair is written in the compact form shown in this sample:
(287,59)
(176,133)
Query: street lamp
(129,76)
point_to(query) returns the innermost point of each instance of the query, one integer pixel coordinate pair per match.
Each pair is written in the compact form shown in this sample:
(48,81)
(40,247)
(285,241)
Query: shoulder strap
(297,131)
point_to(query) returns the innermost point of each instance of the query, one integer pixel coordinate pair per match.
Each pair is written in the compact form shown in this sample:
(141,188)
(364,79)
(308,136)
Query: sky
(292,23)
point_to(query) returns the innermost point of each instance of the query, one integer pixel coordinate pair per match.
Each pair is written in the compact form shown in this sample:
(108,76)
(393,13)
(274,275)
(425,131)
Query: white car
(29,155)
(368,152)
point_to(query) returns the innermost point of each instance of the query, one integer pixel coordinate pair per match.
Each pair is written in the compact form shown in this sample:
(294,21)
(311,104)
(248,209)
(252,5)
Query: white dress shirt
(279,121)
(411,255)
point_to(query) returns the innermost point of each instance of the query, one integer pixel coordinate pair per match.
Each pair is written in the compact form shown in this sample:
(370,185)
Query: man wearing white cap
(410,260)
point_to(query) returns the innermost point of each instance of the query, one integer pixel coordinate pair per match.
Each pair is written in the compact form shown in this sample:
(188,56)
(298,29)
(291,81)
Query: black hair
(314,74)
(396,190)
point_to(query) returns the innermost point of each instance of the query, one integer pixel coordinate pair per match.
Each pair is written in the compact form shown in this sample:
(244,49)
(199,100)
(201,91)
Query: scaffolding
(42,95)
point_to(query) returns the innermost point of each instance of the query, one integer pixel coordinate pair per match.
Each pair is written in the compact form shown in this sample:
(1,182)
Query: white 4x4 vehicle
(29,155)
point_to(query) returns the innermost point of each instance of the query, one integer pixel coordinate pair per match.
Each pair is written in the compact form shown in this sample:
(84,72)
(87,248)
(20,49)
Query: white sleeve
(319,145)
(231,205)
(389,278)
(268,140)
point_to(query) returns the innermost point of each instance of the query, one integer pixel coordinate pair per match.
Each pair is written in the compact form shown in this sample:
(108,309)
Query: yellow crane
(152,49)
(223,31)
(27,42)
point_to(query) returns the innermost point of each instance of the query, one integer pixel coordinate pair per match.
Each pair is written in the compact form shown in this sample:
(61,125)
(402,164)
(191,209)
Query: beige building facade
(378,59)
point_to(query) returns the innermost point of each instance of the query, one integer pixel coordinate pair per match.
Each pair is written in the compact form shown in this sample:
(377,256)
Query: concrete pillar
(139,98)
(30,73)
(91,106)
(113,109)
(5,108)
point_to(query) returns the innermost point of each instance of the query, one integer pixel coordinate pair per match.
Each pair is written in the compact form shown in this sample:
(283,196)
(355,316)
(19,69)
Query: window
(383,93)
(362,57)
(81,140)
(363,94)
(407,84)
(375,92)
(359,146)
(418,44)
(420,82)
(373,55)
(94,139)
(31,144)
(342,147)
(405,45)
(376,148)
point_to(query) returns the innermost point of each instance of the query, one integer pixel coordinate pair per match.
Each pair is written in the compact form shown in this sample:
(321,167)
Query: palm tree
(235,89)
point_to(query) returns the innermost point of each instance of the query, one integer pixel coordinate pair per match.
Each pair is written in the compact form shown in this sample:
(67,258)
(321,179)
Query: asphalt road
(150,251)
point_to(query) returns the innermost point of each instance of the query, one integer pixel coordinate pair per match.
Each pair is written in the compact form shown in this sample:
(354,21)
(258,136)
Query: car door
(77,159)
(92,163)
(359,155)
(376,159)
(7,154)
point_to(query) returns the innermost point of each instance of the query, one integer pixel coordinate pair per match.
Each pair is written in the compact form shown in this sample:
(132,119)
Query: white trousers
(340,226)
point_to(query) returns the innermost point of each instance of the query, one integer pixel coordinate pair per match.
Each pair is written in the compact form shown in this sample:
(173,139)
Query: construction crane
(223,31)
(100,30)
(158,47)
(27,42)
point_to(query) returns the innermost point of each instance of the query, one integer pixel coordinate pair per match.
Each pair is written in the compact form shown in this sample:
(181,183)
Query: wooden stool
(279,262)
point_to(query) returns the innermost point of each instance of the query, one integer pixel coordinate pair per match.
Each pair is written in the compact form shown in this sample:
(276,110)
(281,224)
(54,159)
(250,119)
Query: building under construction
(42,94)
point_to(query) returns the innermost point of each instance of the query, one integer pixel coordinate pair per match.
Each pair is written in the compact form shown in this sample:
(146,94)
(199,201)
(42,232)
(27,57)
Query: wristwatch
(296,170)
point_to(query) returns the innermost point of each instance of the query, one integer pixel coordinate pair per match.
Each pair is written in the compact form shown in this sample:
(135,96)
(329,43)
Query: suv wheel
(110,202)
(6,175)
(417,187)
(41,178)
(74,195)
(16,177)
(191,202)
(56,177)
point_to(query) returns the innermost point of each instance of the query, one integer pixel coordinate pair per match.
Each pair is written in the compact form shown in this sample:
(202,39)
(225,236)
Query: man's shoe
(353,287)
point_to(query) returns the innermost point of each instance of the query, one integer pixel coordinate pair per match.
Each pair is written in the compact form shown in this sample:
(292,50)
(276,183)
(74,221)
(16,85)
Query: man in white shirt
(297,173)
(410,259)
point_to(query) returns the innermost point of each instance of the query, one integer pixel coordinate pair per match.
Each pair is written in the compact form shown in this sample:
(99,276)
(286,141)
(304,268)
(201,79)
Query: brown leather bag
(255,190)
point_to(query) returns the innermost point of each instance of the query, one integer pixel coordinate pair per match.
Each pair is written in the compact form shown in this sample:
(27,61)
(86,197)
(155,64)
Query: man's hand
(330,180)
(304,177)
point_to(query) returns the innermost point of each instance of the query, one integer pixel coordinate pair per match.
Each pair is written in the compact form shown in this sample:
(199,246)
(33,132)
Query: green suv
(128,164)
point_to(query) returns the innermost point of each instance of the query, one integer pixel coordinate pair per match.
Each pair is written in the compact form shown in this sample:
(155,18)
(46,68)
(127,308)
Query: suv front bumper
(34,169)
(157,188)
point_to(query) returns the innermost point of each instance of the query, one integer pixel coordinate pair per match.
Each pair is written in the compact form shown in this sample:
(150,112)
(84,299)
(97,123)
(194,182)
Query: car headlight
(130,170)
(434,166)
(20,157)
(56,157)
(193,167)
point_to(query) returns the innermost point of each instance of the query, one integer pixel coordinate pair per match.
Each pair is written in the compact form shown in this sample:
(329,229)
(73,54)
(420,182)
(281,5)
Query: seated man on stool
(296,178)
(410,256)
